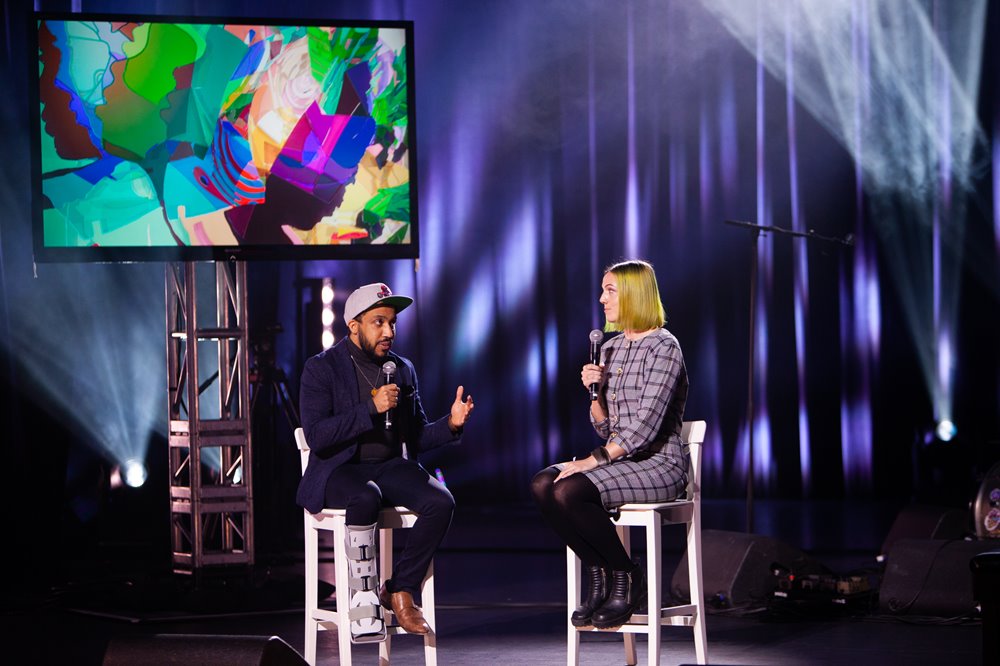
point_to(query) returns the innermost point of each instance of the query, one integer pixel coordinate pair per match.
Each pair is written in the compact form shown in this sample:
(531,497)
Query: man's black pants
(364,488)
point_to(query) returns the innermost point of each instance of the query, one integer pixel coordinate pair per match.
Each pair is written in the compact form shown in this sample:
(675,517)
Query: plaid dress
(645,387)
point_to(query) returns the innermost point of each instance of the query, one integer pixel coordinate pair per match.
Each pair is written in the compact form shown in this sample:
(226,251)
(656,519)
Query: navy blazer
(334,416)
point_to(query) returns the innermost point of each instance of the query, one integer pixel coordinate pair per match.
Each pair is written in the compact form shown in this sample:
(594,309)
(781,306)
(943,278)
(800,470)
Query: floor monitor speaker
(739,568)
(930,577)
(923,521)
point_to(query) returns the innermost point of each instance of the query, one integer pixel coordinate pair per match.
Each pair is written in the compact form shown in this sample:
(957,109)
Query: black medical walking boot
(628,590)
(596,579)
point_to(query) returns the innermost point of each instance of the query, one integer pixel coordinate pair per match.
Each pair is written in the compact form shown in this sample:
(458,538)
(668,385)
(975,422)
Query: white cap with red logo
(371,296)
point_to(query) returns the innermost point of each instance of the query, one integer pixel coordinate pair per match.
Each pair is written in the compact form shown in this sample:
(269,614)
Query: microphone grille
(596,335)
(389,367)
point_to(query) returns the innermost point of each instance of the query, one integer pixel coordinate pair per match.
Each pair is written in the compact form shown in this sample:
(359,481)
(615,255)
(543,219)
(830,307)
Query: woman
(638,412)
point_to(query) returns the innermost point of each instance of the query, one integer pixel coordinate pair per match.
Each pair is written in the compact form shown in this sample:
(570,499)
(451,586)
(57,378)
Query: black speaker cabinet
(922,521)
(930,577)
(738,568)
(201,650)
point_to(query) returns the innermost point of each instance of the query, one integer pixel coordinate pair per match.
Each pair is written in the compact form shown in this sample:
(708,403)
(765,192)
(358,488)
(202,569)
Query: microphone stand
(755,232)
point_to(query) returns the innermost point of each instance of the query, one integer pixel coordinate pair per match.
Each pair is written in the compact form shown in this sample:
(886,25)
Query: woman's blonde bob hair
(639,304)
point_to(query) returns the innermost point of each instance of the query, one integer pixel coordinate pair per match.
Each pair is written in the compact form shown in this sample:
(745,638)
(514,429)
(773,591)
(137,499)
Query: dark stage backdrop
(555,138)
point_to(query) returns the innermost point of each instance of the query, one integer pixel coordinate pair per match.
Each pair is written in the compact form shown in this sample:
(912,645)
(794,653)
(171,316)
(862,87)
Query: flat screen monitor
(188,139)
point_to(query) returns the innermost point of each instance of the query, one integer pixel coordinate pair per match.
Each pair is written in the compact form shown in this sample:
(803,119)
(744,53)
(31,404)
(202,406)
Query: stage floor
(500,588)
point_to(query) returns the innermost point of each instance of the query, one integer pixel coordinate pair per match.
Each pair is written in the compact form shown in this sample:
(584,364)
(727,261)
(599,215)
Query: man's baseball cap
(371,296)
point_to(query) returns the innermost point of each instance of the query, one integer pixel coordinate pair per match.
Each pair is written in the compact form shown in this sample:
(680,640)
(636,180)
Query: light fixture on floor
(131,473)
(946,430)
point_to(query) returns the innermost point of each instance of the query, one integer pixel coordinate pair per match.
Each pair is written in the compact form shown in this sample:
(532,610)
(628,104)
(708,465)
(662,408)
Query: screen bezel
(269,252)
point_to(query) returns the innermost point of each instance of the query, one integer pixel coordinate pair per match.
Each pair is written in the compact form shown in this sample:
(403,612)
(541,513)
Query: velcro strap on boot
(365,613)
(361,542)
(363,552)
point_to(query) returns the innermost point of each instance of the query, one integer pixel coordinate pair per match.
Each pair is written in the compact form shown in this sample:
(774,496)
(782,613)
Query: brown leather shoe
(409,616)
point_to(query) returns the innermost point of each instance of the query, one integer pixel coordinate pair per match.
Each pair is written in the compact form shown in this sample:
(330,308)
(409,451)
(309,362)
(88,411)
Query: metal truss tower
(211,497)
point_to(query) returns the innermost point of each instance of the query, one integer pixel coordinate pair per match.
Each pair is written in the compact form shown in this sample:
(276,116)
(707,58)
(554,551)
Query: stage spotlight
(135,473)
(945,430)
(131,473)
(112,395)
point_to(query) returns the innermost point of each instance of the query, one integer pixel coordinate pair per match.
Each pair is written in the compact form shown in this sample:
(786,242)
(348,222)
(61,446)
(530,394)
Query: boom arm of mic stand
(847,240)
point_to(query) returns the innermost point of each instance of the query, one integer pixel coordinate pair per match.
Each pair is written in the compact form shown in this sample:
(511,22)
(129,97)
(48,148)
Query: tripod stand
(272,380)
(266,376)
(275,458)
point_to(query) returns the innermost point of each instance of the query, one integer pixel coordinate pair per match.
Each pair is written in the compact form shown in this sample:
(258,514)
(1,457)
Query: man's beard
(369,348)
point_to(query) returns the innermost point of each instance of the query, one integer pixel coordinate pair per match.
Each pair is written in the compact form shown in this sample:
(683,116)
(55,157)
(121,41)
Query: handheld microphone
(388,369)
(596,337)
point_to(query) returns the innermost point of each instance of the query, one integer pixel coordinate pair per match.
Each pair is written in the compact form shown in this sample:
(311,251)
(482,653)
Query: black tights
(573,508)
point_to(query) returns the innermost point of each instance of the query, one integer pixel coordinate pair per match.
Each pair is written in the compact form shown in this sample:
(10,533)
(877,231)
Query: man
(357,418)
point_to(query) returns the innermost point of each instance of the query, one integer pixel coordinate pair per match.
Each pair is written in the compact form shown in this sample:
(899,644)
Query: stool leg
(572,599)
(343,591)
(427,600)
(654,590)
(696,583)
(631,657)
(312,593)
(385,557)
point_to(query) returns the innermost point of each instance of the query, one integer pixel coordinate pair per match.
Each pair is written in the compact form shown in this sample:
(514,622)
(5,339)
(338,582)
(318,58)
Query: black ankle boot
(597,593)
(628,589)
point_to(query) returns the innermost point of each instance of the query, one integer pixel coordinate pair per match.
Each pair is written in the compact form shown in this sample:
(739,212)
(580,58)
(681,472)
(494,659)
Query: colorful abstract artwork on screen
(164,134)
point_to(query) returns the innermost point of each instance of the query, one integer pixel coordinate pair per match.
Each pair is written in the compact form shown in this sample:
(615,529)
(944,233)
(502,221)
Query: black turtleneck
(378,444)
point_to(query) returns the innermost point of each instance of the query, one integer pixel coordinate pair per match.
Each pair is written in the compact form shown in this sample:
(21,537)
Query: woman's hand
(591,374)
(574,466)
(594,374)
